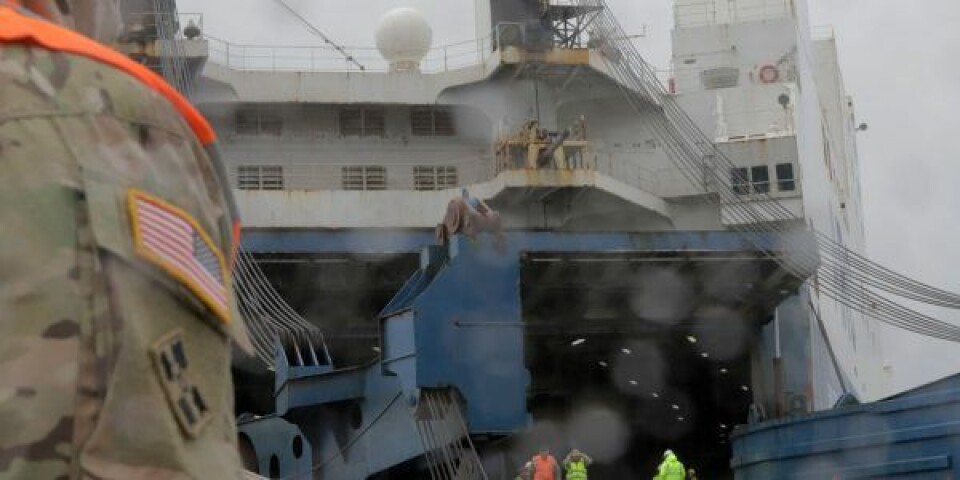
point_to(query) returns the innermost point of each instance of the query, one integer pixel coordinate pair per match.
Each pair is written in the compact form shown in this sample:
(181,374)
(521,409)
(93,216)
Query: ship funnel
(403,39)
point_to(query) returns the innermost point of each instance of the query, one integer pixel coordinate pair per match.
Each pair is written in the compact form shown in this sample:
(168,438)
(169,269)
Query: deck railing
(291,58)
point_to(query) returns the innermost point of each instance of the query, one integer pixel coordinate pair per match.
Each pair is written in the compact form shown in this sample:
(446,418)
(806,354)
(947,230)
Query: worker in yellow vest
(575,465)
(670,468)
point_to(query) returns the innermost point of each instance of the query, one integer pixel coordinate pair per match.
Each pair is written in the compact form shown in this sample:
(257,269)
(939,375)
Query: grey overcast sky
(900,63)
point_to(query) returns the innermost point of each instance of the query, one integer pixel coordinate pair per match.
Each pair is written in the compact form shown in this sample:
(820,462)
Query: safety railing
(292,58)
(698,13)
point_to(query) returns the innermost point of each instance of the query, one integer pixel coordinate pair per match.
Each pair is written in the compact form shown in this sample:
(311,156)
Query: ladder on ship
(448,449)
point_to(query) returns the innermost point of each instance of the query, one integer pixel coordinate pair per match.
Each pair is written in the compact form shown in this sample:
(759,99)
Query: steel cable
(689,148)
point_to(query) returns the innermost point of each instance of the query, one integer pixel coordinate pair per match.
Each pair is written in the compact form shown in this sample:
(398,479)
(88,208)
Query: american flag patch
(173,240)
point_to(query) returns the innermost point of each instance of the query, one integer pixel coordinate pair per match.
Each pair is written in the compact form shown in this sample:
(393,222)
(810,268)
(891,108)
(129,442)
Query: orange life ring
(769,74)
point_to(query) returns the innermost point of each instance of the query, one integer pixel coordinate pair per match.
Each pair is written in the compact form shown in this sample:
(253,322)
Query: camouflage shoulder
(47,82)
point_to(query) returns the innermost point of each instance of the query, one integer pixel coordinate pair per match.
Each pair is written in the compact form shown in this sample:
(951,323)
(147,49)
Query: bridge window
(430,121)
(260,177)
(364,177)
(785,179)
(760,179)
(434,177)
(747,180)
(257,121)
(740,180)
(362,122)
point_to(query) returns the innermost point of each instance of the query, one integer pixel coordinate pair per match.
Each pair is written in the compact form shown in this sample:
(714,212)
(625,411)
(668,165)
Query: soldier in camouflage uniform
(116,238)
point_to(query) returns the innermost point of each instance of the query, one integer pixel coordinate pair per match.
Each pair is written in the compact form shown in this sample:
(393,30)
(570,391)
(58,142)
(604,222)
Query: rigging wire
(316,31)
(268,316)
(844,272)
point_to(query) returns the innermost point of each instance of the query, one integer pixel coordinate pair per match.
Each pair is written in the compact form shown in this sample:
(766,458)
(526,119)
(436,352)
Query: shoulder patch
(173,240)
(172,367)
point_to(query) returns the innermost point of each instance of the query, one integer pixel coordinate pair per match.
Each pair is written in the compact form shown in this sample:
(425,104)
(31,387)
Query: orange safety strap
(18,28)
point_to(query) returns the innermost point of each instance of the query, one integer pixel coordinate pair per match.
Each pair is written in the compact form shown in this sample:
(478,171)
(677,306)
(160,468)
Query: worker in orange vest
(545,466)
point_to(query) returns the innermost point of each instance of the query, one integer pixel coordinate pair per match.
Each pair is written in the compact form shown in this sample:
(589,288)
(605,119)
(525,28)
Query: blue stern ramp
(915,435)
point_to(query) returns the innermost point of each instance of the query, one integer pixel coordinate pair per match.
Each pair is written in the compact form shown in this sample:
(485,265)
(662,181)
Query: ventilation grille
(434,177)
(364,177)
(260,177)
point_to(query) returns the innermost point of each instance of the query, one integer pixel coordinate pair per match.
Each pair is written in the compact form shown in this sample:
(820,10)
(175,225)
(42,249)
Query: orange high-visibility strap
(18,28)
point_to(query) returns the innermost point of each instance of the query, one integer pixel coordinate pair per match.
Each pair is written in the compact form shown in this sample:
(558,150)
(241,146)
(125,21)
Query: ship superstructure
(624,294)
(769,89)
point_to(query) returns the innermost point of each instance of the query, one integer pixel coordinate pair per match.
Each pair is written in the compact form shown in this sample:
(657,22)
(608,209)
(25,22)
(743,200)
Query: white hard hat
(667,452)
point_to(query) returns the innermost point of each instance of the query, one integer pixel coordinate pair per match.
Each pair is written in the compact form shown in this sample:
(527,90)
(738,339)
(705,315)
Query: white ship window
(747,180)
(364,177)
(760,179)
(362,122)
(260,177)
(785,179)
(429,121)
(434,177)
(740,180)
(257,121)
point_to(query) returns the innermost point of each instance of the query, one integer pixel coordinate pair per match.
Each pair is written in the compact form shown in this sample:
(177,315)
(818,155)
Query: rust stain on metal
(568,56)
(557,56)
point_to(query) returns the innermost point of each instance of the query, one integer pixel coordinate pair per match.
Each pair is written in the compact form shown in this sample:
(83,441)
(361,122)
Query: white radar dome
(403,38)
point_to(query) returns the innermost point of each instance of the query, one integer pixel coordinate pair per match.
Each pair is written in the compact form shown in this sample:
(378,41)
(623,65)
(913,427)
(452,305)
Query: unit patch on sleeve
(170,238)
(172,367)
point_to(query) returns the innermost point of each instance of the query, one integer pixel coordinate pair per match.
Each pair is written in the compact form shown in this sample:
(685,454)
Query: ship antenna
(320,34)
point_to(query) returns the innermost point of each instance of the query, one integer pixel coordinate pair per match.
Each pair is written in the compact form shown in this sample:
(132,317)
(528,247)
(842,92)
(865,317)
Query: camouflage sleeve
(46,269)
(112,364)
(46,280)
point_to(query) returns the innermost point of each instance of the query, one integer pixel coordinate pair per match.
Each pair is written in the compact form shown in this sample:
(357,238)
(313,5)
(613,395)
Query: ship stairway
(449,451)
